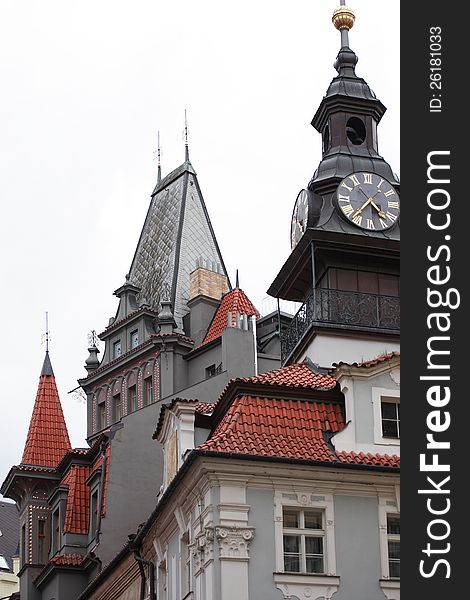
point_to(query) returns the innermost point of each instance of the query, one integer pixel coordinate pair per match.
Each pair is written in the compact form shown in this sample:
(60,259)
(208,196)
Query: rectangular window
(210,371)
(42,555)
(117,349)
(390,419)
(102,415)
(134,339)
(132,395)
(55,531)
(94,512)
(393,542)
(148,391)
(185,566)
(161,579)
(117,407)
(304,540)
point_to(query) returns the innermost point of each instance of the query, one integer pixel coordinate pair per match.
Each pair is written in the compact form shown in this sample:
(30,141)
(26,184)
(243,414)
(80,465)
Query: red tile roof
(77,513)
(48,439)
(205,408)
(277,427)
(382,460)
(299,375)
(370,363)
(68,559)
(259,425)
(235,301)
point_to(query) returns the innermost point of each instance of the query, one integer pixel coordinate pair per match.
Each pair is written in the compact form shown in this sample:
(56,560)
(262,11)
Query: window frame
(102,417)
(132,400)
(132,335)
(308,500)
(388,506)
(56,531)
(378,396)
(148,385)
(117,403)
(303,533)
(94,514)
(392,537)
(117,349)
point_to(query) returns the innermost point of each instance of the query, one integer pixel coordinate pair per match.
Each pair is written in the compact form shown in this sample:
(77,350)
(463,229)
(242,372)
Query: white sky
(85,85)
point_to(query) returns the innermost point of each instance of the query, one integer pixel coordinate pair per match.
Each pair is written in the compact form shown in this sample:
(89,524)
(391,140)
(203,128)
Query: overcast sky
(85,85)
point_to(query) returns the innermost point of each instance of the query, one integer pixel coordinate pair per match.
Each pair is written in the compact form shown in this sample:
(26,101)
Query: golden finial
(343,18)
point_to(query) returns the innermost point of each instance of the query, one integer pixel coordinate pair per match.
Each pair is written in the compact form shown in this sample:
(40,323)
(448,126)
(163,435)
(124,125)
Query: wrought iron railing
(342,308)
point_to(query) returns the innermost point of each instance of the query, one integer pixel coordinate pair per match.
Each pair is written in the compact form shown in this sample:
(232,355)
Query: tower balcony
(340,309)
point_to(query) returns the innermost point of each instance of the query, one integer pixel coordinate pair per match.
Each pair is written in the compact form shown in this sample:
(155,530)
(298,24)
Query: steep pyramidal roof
(235,301)
(176,233)
(48,438)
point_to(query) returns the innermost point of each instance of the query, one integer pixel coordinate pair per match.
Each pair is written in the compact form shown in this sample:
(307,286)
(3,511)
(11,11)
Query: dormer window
(55,531)
(117,350)
(390,418)
(134,339)
(386,406)
(94,512)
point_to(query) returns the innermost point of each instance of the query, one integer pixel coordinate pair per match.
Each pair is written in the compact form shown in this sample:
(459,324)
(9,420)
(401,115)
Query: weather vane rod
(159,156)
(186,145)
(46,336)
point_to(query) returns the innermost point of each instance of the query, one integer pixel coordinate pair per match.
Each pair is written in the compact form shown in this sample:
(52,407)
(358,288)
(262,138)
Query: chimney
(208,280)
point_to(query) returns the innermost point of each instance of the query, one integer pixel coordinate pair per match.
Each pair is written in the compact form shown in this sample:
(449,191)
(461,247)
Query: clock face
(299,217)
(369,201)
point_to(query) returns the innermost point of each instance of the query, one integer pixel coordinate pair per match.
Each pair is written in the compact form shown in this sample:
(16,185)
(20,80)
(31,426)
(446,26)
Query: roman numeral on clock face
(392,204)
(370,224)
(389,193)
(391,216)
(347,187)
(357,219)
(367,177)
(347,209)
(354,179)
(380,183)
(383,223)
(342,198)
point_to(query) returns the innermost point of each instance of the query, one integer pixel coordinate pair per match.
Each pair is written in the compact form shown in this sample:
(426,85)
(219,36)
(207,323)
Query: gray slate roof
(10,531)
(177,232)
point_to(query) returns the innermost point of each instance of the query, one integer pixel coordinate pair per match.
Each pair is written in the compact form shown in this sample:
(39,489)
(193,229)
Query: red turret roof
(235,301)
(48,438)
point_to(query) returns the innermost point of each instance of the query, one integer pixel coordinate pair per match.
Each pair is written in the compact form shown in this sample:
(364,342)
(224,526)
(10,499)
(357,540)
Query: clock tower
(345,230)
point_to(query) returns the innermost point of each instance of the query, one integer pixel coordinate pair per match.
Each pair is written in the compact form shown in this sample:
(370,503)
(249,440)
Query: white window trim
(377,395)
(390,587)
(325,584)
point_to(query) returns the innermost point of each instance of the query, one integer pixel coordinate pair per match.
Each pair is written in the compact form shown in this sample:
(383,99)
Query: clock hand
(377,208)
(359,210)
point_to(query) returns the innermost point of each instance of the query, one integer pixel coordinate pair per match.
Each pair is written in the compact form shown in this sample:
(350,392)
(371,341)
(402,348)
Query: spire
(47,366)
(48,439)
(237,281)
(186,146)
